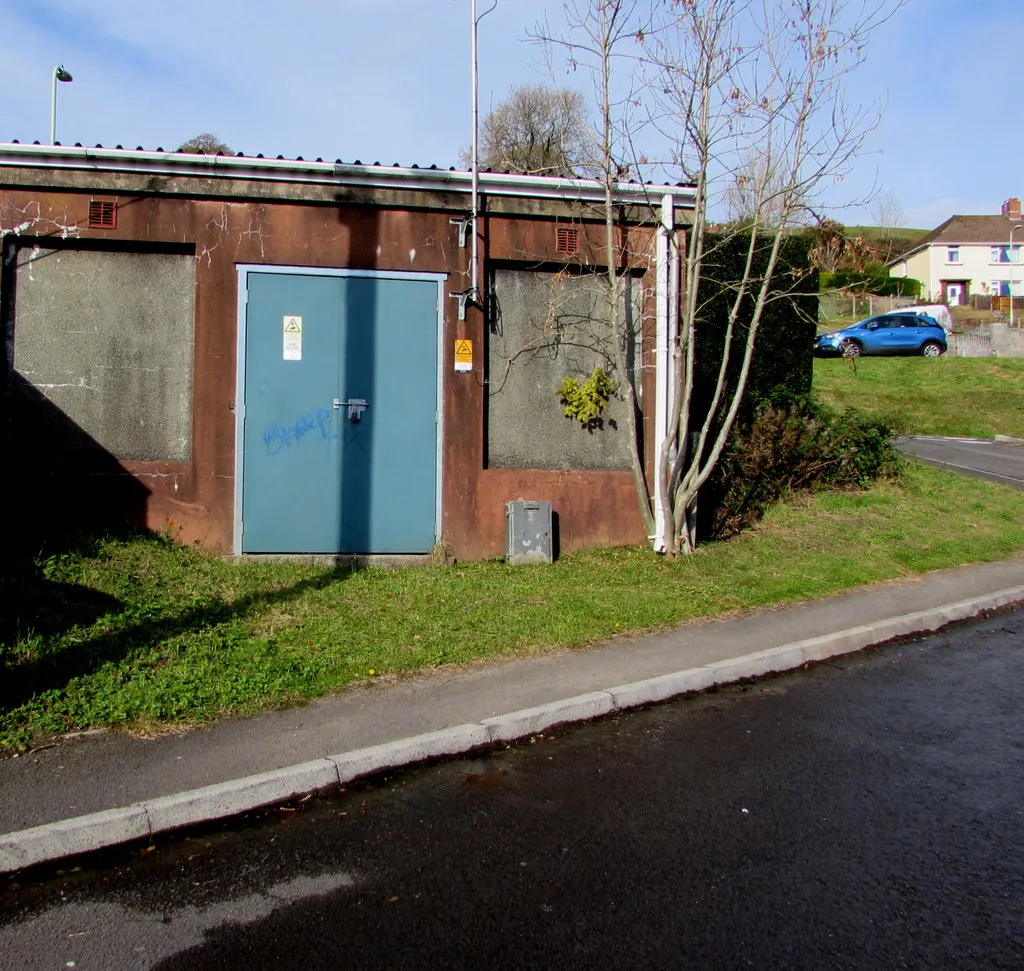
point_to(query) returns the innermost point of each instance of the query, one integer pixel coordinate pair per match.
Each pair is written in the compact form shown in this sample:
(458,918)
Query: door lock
(355,406)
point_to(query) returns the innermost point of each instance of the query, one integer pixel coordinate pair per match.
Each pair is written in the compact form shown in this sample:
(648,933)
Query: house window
(1003,254)
(1001,288)
(952,254)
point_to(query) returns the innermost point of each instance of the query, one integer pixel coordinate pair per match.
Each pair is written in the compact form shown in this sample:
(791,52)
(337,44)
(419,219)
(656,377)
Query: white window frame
(1013,254)
(953,254)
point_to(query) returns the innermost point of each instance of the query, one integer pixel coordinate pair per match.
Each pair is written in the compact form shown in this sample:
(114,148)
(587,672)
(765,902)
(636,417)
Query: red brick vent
(567,240)
(102,215)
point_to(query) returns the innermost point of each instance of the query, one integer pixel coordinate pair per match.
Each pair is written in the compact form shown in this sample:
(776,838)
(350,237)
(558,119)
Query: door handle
(355,406)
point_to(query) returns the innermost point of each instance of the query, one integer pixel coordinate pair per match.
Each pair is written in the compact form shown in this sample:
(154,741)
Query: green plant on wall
(586,400)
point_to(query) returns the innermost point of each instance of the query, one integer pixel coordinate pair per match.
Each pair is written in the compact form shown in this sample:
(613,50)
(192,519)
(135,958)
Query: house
(968,255)
(305,357)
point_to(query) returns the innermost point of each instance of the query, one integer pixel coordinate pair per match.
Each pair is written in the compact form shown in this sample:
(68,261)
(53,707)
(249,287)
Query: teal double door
(339,418)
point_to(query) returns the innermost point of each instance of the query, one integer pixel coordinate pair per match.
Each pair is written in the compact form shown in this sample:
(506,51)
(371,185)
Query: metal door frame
(244,269)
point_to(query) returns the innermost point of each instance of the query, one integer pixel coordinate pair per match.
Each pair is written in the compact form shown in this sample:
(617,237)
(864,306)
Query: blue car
(885,334)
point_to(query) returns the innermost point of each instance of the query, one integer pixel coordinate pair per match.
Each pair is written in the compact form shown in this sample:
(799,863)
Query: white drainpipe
(664,329)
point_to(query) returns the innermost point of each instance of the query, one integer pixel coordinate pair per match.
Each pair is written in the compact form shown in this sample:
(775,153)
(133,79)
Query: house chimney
(1011,208)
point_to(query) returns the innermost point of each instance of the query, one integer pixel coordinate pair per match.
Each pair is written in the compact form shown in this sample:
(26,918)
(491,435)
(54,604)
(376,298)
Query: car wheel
(850,349)
(931,349)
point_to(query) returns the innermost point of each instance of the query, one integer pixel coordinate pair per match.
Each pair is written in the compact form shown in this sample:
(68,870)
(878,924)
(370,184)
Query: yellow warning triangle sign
(463,347)
(292,326)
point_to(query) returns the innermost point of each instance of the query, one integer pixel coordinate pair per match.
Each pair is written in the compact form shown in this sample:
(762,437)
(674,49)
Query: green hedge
(783,347)
(883,286)
(782,366)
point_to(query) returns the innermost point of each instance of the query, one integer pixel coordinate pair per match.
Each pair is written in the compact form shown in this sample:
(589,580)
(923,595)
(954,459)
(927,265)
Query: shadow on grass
(32,604)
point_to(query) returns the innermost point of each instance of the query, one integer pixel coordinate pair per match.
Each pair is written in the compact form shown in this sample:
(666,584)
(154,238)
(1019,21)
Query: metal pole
(1009,256)
(53,109)
(476,172)
(59,74)
(474,260)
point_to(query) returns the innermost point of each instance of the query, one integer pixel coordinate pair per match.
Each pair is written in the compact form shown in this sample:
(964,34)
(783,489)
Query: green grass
(146,634)
(980,396)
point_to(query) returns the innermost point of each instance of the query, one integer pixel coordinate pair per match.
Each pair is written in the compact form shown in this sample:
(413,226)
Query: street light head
(60,74)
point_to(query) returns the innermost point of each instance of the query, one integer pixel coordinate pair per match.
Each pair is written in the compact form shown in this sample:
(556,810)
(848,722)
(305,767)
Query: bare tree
(204,144)
(754,177)
(740,89)
(537,129)
(887,213)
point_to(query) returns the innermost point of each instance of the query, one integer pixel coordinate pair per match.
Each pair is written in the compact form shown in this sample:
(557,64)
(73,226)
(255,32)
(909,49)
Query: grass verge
(147,634)
(979,396)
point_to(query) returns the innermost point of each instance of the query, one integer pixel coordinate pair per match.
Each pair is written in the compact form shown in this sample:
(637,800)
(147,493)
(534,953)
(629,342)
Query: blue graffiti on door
(279,437)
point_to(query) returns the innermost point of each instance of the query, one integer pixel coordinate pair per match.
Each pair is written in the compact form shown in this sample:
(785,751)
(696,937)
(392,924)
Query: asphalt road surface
(998,461)
(866,813)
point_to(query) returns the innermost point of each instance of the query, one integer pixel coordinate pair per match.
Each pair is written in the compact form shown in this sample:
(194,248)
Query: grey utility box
(528,532)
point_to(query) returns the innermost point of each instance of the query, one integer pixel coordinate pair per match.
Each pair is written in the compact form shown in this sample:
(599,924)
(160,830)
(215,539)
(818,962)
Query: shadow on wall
(58,481)
(59,487)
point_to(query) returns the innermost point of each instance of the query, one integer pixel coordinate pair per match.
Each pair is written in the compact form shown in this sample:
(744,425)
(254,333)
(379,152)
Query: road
(865,813)
(998,461)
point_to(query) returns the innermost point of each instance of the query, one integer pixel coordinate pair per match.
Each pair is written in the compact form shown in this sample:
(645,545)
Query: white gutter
(327,173)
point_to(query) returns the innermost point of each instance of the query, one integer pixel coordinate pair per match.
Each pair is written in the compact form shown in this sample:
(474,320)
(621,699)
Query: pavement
(101,789)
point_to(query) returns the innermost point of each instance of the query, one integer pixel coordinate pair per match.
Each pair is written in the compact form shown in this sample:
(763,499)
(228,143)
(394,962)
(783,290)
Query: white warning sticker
(292,338)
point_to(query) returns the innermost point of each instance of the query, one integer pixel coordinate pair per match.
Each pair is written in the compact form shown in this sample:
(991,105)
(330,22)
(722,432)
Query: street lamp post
(59,74)
(1013,229)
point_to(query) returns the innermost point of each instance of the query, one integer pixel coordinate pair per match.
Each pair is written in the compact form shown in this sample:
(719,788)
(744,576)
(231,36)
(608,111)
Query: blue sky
(388,80)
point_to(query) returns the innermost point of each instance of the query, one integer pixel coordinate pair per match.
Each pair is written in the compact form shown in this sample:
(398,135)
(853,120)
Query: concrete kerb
(239,795)
(409,751)
(530,721)
(83,834)
(69,837)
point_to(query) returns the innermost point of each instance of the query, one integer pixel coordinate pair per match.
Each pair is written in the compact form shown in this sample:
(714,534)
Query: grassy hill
(882,232)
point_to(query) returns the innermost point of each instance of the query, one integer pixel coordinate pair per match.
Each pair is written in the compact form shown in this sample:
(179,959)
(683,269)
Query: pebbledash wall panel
(107,338)
(545,326)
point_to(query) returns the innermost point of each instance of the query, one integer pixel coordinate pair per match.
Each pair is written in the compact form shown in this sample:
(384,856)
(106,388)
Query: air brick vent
(567,240)
(102,215)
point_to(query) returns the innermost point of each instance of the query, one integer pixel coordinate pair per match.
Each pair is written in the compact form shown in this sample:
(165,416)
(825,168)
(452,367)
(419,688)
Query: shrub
(798,444)
(586,400)
(878,283)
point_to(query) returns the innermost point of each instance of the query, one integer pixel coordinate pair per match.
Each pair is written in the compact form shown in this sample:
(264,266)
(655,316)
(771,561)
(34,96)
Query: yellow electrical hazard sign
(463,355)
(292,329)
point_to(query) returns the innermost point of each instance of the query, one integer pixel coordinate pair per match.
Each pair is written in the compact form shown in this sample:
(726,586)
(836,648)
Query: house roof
(965,230)
(82,157)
